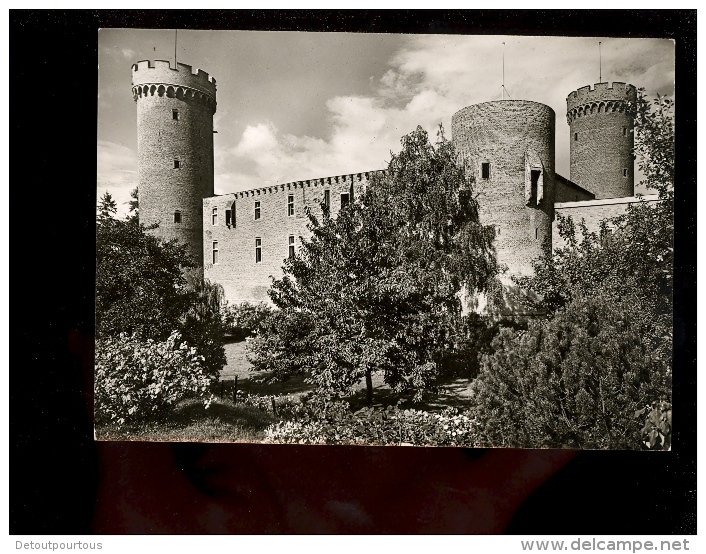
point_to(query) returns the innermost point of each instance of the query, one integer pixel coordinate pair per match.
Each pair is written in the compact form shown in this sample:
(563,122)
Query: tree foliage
(378,288)
(578,380)
(145,288)
(608,295)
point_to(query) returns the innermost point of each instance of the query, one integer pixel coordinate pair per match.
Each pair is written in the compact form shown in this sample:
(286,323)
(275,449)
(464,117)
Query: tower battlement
(160,72)
(616,91)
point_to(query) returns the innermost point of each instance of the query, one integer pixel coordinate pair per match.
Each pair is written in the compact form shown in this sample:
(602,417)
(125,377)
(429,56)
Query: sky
(294,105)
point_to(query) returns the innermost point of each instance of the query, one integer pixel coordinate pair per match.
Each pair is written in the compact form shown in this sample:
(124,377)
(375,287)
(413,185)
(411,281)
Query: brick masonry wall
(602,139)
(503,133)
(236,270)
(592,212)
(163,189)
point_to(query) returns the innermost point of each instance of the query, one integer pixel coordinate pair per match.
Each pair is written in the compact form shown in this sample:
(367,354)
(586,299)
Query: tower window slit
(485,170)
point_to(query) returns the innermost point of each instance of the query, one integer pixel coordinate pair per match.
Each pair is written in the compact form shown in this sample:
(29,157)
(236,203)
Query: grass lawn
(190,422)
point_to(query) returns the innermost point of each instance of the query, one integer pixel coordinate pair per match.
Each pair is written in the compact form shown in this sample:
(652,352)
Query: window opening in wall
(214,216)
(327,199)
(625,172)
(215,251)
(177,217)
(291,246)
(177,164)
(536,233)
(485,170)
(228,217)
(625,131)
(345,200)
(258,251)
(257,209)
(290,204)
(576,136)
(534,179)
(175,115)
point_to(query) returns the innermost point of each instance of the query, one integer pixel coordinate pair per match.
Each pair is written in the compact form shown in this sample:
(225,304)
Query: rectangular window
(534,181)
(215,251)
(257,209)
(177,217)
(290,204)
(214,216)
(228,218)
(625,131)
(625,172)
(536,233)
(327,199)
(177,164)
(175,115)
(258,251)
(291,246)
(345,200)
(485,170)
(576,136)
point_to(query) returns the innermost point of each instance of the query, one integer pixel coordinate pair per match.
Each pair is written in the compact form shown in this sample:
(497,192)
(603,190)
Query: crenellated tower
(602,139)
(175,108)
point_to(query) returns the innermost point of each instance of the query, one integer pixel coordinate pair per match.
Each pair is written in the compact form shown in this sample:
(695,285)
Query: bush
(320,422)
(578,380)
(141,380)
(244,320)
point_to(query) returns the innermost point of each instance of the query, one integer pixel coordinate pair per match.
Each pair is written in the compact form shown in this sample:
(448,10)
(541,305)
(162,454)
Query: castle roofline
(617,90)
(147,72)
(608,201)
(570,183)
(318,181)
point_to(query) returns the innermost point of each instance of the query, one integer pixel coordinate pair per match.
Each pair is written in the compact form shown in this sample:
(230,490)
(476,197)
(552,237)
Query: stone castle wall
(236,269)
(593,212)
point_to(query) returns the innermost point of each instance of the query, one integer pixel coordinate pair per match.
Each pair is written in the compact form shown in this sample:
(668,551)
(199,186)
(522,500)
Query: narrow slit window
(625,131)
(625,172)
(291,246)
(327,199)
(345,200)
(258,251)
(177,217)
(175,115)
(228,217)
(536,233)
(290,205)
(177,163)
(215,251)
(576,136)
(214,216)
(257,209)
(534,178)
(485,170)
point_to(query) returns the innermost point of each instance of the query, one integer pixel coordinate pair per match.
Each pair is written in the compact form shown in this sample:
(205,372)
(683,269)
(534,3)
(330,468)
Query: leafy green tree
(145,287)
(578,380)
(378,289)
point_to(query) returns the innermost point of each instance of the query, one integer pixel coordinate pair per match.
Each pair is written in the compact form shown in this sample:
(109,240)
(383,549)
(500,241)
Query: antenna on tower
(175,49)
(503,89)
(600,63)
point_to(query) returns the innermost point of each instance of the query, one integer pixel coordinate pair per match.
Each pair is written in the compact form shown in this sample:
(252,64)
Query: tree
(626,264)
(574,381)
(142,288)
(378,289)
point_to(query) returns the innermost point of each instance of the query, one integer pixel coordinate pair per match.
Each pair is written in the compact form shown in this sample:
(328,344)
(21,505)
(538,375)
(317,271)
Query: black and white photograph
(429,240)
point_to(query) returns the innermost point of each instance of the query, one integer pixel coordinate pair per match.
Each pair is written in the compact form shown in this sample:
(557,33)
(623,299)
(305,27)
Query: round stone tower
(602,139)
(175,110)
(508,145)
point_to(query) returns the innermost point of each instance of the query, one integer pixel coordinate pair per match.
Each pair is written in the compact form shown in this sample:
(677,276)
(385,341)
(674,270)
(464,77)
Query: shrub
(244,320)
(577,380)
(138,380)
(320,422)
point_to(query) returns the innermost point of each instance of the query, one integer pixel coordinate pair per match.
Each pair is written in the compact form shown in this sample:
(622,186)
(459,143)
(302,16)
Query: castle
(243,237)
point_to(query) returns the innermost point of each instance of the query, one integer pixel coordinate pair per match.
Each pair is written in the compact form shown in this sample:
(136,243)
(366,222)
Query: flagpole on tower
(175,49)
(600,64)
